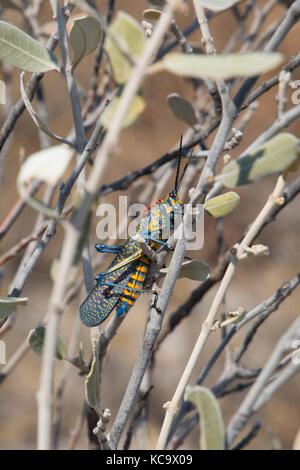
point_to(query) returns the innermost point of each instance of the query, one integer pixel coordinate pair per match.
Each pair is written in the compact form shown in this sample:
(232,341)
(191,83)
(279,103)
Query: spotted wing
(106,293)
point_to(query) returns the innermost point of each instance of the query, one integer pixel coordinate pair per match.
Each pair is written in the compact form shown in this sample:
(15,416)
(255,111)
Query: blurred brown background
(156,132)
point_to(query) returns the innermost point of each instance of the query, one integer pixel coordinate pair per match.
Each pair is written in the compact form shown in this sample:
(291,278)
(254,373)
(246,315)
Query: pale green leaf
(212,434)
(182,109)
(272,157)
(36,340)
(191,269)
(221,67)
(92,390)
(125,36)
(222,205)
(84,36)
(9,304)
(136,108)
(217,5)
(21,50)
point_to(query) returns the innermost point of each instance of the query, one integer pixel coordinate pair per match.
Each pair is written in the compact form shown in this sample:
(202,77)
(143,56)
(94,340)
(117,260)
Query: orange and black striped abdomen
(134,285)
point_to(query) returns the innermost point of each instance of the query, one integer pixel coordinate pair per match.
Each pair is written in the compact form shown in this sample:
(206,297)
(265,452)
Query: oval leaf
(222,205)
(192,269)
(126,34)
(47,165)
(9,304)
(36,341)
(182,109)
(221,67)
(212,434)
(217,5)
(151,15)
(272,157)
(157,3)
(84,36)
(19,49)
(92,391)
(136,108)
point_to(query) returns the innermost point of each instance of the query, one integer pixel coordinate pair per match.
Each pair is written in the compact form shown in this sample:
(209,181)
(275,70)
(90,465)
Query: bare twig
(259,393)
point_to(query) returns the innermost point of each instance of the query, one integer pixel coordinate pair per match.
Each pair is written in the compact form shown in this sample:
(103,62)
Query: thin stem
(208,323)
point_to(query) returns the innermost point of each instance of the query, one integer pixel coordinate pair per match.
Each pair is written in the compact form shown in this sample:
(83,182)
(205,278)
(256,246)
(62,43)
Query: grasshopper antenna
(184,170)
(178,165)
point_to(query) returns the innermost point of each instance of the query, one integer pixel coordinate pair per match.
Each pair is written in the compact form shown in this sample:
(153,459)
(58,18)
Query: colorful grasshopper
(119,286)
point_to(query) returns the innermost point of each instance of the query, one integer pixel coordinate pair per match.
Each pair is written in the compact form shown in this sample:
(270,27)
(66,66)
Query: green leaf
(124,34)
(136,108)
(157,3)
(151,14)
(182,109)
(212,434)
(92,391)
(222,205)
(272,157)
(19,49)
(217,5)
(84,36)
(9,304)
(192,269)
(221,67)
(36,341)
